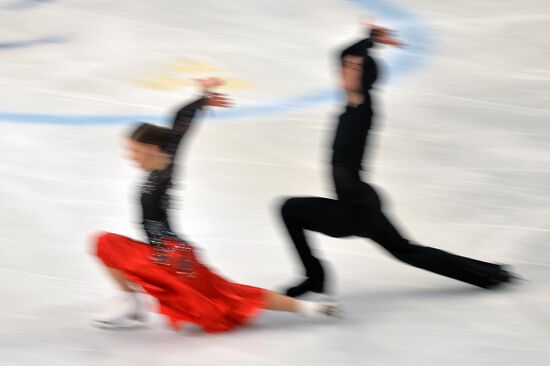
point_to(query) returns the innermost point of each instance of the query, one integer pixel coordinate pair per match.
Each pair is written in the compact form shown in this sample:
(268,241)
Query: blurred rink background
(460,151)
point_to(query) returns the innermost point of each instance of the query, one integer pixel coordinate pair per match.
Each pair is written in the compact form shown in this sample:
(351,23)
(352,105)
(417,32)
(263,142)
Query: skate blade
(335,311)
(127,324)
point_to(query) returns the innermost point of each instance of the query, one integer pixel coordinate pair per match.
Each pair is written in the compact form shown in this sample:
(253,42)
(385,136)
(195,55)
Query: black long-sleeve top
(351,136)
(154,191)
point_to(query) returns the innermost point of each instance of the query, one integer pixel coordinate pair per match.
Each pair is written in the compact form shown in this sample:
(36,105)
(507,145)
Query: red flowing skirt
(206,299)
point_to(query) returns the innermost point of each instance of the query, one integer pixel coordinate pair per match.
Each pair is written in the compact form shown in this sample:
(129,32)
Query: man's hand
(382,35)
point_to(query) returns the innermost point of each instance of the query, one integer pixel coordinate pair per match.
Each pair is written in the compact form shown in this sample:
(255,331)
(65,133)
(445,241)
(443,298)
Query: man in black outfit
(357,211)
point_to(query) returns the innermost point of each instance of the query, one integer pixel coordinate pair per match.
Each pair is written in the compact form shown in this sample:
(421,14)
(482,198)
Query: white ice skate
(330,309)
(126,310)
(313,309)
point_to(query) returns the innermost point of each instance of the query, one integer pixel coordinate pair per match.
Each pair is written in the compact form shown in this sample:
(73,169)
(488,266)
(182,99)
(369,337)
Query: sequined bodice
(155,198)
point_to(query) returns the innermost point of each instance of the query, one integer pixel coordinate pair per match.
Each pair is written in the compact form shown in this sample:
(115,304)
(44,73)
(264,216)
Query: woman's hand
(218,100)
(209,83)
(214,99)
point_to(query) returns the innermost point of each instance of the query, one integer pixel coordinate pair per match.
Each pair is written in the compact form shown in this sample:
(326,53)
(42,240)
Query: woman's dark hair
(148,133)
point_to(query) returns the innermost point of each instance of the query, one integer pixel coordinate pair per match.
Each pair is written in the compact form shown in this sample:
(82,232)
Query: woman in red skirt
(167,266)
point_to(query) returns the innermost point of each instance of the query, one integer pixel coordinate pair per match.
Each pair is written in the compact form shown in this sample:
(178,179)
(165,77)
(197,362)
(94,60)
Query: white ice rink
(461,152)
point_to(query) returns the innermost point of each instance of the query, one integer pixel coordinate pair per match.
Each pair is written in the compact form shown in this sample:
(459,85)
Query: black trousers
(338,218)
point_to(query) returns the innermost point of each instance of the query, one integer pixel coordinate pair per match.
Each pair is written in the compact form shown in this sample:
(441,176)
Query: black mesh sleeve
(182,122)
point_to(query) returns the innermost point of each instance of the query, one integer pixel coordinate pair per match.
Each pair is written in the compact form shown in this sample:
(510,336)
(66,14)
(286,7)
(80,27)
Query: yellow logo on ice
(180,74)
